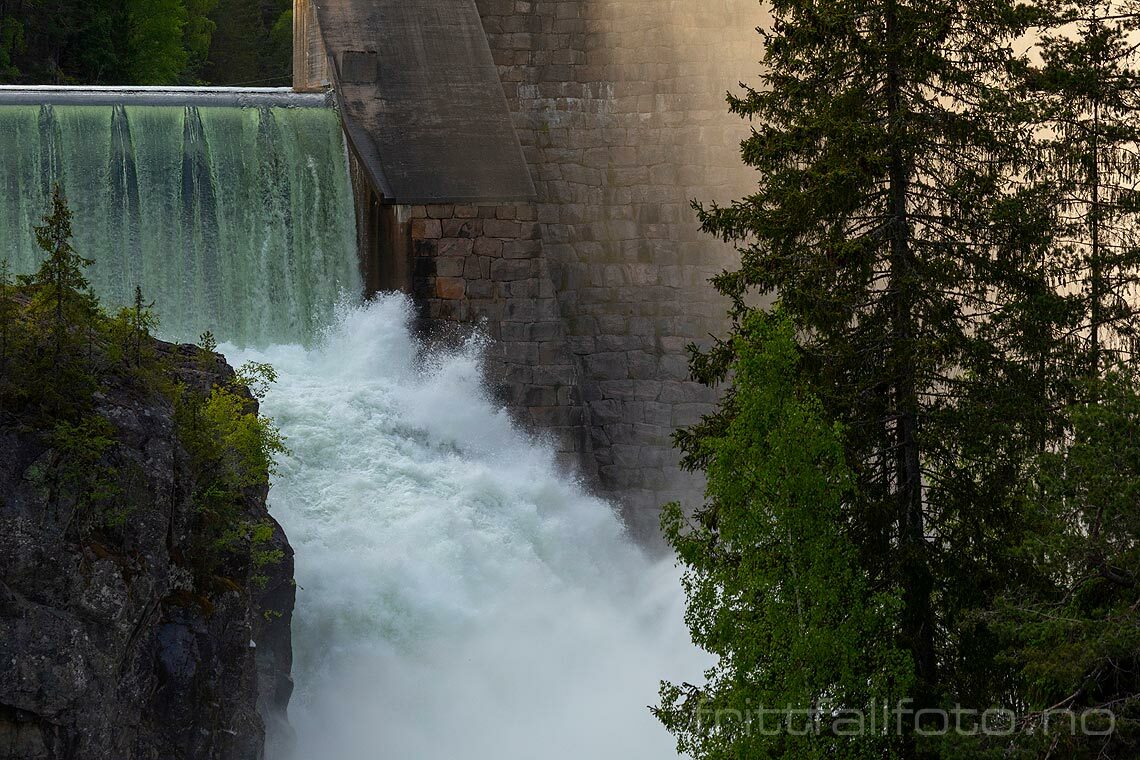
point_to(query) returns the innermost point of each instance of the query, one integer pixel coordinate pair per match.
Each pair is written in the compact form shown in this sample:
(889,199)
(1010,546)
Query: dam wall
(485,266)
(620,109)
(592,292)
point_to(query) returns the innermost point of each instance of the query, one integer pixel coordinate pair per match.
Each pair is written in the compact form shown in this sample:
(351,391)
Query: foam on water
(459,598)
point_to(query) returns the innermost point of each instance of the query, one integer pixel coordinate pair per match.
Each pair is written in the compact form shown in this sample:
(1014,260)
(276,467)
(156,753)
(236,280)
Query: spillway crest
(233,220)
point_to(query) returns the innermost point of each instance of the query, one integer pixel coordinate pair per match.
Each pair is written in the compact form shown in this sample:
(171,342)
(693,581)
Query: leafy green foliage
(199,31)
(9,310)
(256,377)
(263,555)
(772,574)
(231,450)
(12,44)
(131,330)
(81,479)
(157,54)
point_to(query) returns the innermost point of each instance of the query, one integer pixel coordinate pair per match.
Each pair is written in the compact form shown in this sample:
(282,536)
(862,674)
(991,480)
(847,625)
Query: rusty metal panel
(421,100)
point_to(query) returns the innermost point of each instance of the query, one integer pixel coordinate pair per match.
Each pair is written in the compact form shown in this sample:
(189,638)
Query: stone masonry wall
(484,266)
(620,108)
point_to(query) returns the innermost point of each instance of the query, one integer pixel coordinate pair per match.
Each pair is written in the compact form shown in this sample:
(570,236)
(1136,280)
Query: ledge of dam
(214,97)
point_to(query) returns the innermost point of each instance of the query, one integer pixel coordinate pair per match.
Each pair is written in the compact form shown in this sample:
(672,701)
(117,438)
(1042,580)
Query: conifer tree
(1076,640)
(62,292)
(1090,90)
(914,272)
(131,331)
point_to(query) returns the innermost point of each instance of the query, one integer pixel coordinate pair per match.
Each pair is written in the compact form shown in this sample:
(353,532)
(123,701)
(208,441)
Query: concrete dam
(464,241)
(525,168)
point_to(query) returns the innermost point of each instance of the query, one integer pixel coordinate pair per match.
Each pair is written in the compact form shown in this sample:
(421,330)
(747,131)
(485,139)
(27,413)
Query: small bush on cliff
(231,451)
(130,331)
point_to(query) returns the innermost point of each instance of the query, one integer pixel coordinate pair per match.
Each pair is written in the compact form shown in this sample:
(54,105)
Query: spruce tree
(1089,87)
(885,138)
(1076,640)
(63,294)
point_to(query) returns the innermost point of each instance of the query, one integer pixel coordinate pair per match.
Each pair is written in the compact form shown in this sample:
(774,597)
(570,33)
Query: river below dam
(458,597)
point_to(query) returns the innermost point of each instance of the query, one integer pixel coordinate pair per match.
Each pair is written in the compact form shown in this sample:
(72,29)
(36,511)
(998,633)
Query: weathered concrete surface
(620,107)
(421,103)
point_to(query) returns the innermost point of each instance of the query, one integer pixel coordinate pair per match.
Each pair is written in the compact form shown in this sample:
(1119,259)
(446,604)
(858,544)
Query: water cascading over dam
(235,219)
(458,595)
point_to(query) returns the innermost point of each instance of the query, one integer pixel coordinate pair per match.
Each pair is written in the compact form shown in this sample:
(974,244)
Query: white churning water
(459,598)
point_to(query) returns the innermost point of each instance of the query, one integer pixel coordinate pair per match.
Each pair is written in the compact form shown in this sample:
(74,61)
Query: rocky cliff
(114,643)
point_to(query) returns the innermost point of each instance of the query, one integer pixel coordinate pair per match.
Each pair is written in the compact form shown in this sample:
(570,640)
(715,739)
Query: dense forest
(921,537)
(146,42)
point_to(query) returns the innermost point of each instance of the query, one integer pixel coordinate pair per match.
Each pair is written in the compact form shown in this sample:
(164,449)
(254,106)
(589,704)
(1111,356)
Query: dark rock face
(108,647)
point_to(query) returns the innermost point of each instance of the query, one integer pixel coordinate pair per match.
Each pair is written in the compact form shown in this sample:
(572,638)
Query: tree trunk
(917,623)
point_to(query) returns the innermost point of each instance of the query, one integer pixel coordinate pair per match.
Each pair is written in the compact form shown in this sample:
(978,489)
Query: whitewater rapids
(459,598)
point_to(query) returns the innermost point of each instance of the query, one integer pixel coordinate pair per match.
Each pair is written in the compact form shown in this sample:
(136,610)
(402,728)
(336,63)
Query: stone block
(488,247)
(520,311)
(455,247)
(462,228)
(521,249)
(508,270)
(480,288)
(426,229)
(499,228)
(450,288)
(607,366)
(449,266)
